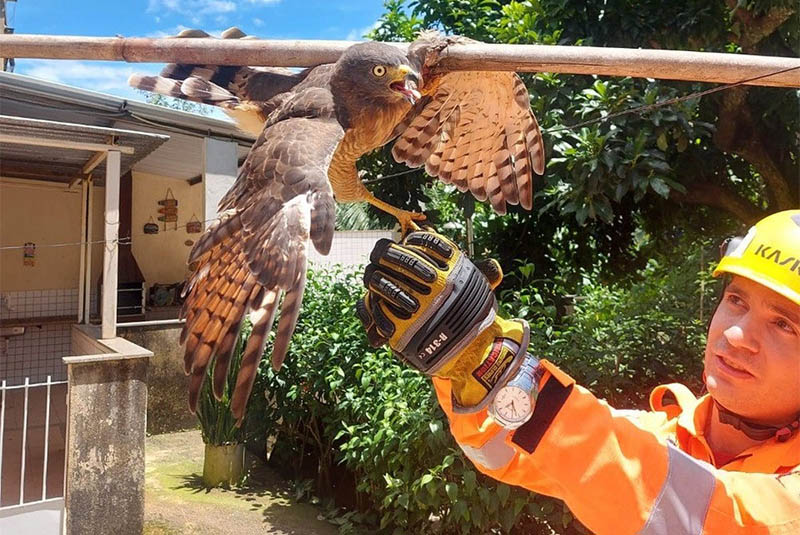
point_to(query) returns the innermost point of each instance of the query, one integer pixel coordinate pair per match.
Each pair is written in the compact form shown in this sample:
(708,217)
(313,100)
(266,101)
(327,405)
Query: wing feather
(280,205)
(472,129)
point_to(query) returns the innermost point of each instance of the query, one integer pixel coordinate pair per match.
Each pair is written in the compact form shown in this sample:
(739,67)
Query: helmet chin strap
(757,431)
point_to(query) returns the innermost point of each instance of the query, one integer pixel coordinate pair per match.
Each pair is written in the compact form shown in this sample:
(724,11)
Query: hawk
(474,130)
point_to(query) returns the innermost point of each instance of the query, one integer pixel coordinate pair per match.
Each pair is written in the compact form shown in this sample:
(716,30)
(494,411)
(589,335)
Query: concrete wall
(167,390)
(162,257)
(105,447)
(350,247)
(84,343)
(106,403)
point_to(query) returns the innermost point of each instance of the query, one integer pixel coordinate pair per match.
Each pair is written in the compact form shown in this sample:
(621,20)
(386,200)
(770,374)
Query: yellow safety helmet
(768,254)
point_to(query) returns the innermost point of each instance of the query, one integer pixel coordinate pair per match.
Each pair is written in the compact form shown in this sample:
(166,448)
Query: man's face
(752,361)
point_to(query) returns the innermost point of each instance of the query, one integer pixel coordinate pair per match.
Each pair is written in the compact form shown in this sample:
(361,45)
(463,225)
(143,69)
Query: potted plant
(224,452)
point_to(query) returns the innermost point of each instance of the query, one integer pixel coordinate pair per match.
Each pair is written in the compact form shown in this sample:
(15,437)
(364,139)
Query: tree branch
(753,29)
(715,196)
(738,133)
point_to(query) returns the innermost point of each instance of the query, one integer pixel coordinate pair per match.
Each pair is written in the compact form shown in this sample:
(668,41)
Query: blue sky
(275,19)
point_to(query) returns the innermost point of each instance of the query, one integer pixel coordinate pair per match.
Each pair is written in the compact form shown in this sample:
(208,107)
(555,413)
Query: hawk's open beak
(404,81)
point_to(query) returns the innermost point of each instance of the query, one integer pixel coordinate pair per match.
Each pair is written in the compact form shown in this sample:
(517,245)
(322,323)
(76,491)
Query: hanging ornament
(29,254)
(151,227)
(194,225)
(169,210)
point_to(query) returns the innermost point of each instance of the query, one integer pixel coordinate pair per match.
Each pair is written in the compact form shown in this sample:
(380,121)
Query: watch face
(512,404)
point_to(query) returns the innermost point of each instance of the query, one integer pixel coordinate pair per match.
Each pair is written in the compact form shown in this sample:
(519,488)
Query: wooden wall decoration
(169,210)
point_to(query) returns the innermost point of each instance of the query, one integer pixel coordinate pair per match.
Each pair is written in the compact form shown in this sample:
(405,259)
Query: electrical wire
(125,240)
(668,102)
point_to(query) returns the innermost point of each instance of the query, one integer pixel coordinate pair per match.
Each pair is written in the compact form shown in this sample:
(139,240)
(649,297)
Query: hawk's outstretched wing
(472,129)
(281,201)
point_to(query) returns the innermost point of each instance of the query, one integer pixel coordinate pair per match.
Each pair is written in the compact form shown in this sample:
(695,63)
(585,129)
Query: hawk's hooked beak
(404,81)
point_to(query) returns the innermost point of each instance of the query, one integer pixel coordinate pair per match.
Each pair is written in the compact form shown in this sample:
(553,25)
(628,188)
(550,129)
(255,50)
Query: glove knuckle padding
(435,244)
(393,292)
(384,325)
(462,307)
(406,261)
(363,314)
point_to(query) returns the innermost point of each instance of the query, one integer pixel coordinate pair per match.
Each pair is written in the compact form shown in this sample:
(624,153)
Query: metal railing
(26,387)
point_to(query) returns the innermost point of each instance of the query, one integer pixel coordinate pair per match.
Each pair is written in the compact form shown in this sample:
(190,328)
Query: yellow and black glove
(437,311)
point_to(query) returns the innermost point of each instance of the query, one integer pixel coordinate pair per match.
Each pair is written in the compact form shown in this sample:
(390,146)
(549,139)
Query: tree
(735,151)
(175,103)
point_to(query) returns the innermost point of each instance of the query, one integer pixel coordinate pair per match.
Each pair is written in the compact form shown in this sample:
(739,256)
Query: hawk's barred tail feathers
(243,92)
(192,89)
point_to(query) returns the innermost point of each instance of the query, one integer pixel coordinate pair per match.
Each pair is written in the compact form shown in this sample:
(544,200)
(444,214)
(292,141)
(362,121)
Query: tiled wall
(37,353)
(39,303)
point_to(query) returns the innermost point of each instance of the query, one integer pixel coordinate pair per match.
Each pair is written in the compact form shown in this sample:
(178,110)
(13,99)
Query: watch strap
(552,396)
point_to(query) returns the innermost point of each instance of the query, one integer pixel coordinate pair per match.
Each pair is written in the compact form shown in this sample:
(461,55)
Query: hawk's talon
(406,220)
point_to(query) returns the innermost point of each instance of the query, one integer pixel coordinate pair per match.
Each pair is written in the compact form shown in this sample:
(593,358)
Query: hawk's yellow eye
(378,70)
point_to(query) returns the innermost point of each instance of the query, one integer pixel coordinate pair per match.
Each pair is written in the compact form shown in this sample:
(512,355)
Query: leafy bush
(624,339)
(358,422)
(362,425)
(217,423)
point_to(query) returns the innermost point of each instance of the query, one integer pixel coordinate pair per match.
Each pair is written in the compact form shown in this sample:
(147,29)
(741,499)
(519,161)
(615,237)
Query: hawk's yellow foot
(406,218)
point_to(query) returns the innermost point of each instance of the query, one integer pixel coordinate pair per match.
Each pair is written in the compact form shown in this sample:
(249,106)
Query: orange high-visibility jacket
(635,472)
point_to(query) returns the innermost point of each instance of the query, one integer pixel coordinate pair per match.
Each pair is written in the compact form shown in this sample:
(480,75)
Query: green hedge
(623,340)
(360,425)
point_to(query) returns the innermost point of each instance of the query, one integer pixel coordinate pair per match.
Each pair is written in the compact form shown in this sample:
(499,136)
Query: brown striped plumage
(472,129)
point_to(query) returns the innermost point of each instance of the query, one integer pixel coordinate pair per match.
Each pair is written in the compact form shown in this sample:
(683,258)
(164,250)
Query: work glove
(437,311)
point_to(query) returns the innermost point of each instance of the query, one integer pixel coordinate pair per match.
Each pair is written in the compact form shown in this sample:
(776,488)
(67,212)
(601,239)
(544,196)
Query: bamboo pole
(665,64)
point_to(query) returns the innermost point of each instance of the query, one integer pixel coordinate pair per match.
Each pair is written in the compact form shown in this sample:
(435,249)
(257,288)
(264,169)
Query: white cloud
(263,2)
(192,8)
(258,22)
(105,77)
(357,34)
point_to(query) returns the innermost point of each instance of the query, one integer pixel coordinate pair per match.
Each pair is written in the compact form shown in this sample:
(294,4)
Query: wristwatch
(513,404)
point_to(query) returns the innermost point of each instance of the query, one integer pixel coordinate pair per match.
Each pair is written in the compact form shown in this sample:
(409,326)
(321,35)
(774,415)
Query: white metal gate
(32,440)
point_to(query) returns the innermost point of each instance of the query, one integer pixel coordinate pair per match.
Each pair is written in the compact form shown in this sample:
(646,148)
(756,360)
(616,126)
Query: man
(728,463)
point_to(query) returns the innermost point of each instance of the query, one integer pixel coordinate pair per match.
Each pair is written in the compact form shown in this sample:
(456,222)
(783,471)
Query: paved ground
(177,504)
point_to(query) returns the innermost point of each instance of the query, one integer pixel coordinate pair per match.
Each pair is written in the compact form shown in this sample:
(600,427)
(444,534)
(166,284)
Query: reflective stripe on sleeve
(683,502)
(492,455)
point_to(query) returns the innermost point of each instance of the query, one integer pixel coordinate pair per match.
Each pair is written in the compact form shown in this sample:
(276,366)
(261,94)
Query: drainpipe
(87,275)
(84,245)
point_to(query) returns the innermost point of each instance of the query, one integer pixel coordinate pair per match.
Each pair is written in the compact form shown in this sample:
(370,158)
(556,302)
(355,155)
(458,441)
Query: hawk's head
(376,72)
